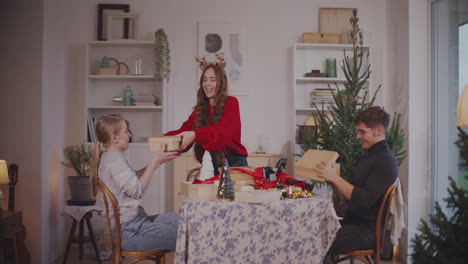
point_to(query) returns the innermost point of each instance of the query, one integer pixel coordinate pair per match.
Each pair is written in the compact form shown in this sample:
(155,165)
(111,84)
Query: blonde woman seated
(139,232)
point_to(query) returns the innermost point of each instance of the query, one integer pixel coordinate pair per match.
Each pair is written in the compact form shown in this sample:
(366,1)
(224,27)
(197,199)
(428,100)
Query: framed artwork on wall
(335,20)
(103,11)
(230,38)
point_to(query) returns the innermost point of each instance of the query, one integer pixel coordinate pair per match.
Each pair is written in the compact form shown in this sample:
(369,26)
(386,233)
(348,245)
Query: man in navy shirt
(374,173)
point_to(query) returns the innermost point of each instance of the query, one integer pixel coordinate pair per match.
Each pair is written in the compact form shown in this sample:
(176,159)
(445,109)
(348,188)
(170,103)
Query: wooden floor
(90,259)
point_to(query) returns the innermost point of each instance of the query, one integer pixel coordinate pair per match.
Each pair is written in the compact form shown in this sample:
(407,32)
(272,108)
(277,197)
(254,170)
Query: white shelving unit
(305,58)
(145,121)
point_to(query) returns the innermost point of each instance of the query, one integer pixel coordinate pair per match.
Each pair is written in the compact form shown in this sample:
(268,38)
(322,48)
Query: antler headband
(202,62)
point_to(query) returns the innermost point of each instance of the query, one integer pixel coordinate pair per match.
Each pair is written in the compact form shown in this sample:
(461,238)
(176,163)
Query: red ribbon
(259,179)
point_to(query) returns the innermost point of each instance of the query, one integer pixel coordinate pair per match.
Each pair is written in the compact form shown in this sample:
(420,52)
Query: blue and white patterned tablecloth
(289,231)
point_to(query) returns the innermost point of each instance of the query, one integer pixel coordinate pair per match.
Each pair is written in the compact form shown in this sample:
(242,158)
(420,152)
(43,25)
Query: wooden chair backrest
(382,218)
(108,196)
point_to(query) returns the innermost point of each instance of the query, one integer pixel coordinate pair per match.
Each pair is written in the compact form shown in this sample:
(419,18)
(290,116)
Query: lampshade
(462,108)
(4,172)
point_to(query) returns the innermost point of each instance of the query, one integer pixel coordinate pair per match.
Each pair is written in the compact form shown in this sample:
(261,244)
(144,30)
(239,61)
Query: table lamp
(3,180)
(462,108)
(13,178)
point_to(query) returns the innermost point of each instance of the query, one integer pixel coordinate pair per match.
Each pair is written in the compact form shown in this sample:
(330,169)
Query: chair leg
(15,250)
(376,260)
(70,238)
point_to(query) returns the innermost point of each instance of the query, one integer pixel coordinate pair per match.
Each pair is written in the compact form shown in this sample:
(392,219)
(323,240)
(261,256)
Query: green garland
(335,128)
(79,157)
(162,55)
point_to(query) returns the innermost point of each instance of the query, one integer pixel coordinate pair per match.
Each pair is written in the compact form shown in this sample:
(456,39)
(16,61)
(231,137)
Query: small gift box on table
(165,143)
(258,196)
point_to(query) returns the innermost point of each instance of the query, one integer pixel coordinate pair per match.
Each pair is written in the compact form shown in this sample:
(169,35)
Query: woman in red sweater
(214,125)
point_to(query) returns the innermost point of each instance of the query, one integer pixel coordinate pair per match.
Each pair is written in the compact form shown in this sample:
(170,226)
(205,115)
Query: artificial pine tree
(225,187)
(445,240)
(334,125)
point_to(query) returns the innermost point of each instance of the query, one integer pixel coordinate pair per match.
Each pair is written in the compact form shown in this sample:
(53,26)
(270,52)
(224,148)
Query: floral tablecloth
(289,231)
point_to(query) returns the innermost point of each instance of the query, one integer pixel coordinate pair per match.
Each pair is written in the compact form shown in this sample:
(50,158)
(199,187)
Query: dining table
(284,231)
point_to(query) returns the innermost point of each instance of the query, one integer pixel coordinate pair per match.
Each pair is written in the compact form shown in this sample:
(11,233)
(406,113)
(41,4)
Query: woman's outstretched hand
(188,137)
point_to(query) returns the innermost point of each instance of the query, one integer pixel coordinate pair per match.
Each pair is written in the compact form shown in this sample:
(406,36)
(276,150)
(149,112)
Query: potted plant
(79,158)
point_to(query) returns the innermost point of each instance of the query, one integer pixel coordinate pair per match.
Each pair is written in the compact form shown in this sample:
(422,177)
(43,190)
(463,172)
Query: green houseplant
(162,55)
(79,158)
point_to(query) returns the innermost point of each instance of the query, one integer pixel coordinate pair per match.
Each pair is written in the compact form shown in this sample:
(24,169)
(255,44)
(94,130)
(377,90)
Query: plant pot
(80,188)
(338,203)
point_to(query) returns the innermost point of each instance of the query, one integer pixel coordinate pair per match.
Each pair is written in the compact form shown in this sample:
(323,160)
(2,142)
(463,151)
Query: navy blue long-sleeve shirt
(373,174)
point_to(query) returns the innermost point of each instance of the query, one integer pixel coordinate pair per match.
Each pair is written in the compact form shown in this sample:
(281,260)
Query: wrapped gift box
(257,196)
(321,38)
(200,192)
(304,166)
(166,143)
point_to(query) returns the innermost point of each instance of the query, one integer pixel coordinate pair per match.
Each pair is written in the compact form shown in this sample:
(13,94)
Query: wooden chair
(193,174)
(380,229)
(117,253)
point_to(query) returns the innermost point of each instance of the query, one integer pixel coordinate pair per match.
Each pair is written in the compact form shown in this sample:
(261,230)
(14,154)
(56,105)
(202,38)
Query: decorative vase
(338,203)
(225,187)
(330,68)
(127,96)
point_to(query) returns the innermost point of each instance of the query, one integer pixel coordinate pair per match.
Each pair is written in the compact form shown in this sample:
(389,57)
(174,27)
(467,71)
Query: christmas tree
(445,240)
(335,129)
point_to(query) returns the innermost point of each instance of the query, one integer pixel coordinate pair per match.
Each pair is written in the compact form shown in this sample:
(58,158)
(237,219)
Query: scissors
(13,174)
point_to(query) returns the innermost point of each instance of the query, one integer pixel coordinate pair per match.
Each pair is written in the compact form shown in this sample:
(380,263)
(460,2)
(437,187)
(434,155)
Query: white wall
(20,109)
(53,124)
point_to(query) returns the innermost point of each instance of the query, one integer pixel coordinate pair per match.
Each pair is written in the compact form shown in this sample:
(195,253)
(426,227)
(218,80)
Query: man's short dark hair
(372,117)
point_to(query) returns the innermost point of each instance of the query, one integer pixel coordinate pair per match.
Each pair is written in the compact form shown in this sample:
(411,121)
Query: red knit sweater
(226,134)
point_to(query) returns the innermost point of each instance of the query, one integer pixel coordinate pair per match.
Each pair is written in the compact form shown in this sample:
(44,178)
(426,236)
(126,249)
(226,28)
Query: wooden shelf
(321,79)
(300,46)
(124,107)
(121,43)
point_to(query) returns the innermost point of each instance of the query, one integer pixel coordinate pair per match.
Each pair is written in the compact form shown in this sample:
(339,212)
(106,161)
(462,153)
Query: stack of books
(142,99)
(323,96)
(91,132)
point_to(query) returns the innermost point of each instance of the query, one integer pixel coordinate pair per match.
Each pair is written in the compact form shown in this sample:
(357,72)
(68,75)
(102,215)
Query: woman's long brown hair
(202,107)
(106,126)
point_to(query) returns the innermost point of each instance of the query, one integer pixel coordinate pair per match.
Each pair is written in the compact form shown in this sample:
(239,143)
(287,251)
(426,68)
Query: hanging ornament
(226,187)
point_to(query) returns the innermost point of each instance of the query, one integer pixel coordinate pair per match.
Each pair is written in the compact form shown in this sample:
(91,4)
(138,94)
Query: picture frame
(103,11)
